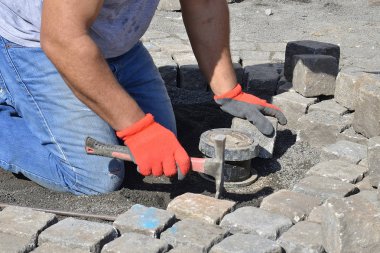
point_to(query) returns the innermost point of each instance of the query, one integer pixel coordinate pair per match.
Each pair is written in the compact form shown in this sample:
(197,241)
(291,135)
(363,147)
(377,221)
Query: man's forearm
(207,23)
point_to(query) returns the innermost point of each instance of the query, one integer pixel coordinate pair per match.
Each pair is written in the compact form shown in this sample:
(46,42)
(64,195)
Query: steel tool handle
(94,147)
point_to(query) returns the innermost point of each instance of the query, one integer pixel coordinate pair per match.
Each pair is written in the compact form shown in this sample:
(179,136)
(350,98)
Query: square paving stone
(185,249)
(293,105)
(261,80)
(266,143)
(53,248)
(198,206)
(194,233)
(350,135)
(145,220)
(12,243)
(328,106)
(338,169)
(136,243)
(314,75)
(307,47)
(253,220)
(293,205)
(365,184)
(324,187)
(25,222)
(347,86)
(366,121)
(304,237)
(374,160)
(246,243)
(351,225)
(78,234)
(190,76)
(320,128)
(344,150)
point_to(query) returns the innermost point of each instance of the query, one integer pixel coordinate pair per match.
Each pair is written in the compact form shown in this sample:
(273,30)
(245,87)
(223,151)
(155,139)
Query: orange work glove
(154,148)
(247,106)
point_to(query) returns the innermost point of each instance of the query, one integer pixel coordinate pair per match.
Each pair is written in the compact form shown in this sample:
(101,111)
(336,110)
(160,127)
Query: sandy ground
(351,24)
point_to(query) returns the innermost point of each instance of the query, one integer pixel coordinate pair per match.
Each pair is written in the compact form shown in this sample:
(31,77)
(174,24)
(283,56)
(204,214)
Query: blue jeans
(43,125)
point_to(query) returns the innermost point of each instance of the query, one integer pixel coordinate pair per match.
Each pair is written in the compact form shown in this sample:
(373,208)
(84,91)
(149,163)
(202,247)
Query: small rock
(268,12)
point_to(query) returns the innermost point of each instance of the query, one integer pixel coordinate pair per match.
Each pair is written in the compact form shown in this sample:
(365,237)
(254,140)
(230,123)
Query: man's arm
(207,24)
(65,41)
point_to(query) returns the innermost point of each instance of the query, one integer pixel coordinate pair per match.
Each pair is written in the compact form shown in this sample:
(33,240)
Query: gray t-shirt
(119,26)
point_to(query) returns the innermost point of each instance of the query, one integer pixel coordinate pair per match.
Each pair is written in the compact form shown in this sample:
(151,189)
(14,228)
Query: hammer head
(215,166)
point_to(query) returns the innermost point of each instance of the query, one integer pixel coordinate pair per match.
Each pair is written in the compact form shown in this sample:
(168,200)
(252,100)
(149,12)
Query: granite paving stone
(166,66)
(252,57)
(347,87)
(293,105)
(190,76)
(351,225)
(154,34)
(169,5)
(285,87)
(198,206)
(366,121)
(136,243)
(194,233)
(272,46)
(307,47)
(25,222)
(172,45)
(246,243)
(78,234)
(344,150)
(371,195)
(338,169)
(293,205)
(149,221)
(261,80)
(187,249)
(350,135)
(53,248)
(365,184)
(304,237)
(314,75)
(328,106)
(316,215)
(238,45)
(266,143)
(374,160)
(324,187)
(12,243)
(322,128)
(253,220)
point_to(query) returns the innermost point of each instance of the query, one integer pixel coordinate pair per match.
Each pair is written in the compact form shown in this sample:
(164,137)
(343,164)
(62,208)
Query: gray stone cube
(190,76)
(344,150)
(304,237)
(254,220)
(347,87)
(293,205)
(198,206)
(266,143)
(324,187)
(78,234)
(136,243)
(351,225)
(49,248)
(314,75)
(350,135)
(307,47)
(261,80)
(246,243)
(293,105)
(374,160)
(328,106)
(194,233)
(12,243)
(367,116)
(338,169)
(320,128)
(149,221)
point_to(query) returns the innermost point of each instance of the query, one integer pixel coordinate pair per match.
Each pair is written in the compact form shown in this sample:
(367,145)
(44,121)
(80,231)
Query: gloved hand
(154,148)
(247,106)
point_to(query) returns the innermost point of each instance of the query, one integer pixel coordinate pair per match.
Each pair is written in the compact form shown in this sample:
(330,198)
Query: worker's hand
(154,148)
(247,106)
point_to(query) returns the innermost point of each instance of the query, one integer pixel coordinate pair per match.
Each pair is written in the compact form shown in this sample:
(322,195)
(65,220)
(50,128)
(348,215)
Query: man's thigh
(137,73)
(59,120)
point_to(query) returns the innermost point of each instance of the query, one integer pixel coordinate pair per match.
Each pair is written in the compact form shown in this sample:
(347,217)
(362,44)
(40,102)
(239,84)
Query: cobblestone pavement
(329,203)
